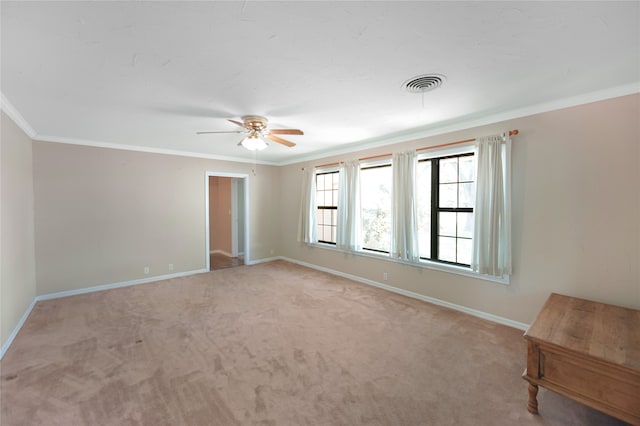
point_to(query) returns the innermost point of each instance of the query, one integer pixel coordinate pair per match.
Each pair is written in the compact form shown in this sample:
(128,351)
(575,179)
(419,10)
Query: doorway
(227,223)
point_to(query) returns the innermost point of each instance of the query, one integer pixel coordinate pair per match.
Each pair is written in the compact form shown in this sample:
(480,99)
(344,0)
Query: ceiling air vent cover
(424,83)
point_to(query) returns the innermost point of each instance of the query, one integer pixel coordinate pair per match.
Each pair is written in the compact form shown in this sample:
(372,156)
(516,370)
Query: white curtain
(348,232)
(492,212)
(307,228)
(404,239)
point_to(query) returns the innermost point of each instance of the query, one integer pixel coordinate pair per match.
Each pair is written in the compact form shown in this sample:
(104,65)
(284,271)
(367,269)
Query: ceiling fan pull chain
(255,165)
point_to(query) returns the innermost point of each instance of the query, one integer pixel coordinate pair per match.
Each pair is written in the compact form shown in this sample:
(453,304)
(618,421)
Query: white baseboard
(264,260)
(15,331)
(474,312)
(116,285)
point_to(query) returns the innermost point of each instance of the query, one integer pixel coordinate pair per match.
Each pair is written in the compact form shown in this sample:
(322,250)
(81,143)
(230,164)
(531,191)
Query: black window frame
(326,207)
(436,209)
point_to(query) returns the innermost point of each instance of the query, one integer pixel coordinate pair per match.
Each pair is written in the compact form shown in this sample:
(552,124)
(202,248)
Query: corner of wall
(17,233)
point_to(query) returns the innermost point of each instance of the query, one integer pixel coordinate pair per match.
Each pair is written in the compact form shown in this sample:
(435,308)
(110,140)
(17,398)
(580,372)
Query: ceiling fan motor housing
(254,122)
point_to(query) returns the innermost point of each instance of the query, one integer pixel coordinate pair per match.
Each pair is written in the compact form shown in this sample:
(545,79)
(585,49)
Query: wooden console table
(586,351)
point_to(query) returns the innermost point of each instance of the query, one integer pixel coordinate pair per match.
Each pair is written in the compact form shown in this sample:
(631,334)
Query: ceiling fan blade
(286,132)
(280,140)
(237,122)
(232,131)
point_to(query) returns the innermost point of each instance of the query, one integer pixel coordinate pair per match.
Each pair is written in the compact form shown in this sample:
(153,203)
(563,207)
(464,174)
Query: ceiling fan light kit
(253,142)
(256,128)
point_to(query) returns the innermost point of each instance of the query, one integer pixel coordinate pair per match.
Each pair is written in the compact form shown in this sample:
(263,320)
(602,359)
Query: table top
(599,330)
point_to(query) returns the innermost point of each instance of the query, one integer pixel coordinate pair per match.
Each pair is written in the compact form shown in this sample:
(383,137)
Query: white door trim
(234,217)
(247,239)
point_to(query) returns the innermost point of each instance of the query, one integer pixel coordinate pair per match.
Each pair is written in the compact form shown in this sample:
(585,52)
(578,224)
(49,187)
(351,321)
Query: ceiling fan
(255,127)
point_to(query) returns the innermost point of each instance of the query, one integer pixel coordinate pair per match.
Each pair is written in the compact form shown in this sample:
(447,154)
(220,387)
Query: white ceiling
(151,74)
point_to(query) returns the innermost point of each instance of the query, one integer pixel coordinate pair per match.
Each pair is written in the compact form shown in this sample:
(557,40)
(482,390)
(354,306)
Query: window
(445,201)
(446,197)
(436,207)
(327,206)
(375,207)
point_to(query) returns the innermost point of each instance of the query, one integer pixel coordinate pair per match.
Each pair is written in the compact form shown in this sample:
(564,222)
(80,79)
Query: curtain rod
(374,157)
(337,163)
(511,133)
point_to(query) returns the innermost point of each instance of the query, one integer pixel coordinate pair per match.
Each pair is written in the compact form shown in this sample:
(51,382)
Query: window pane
(320,182)
(375,186)
(328,181)
(465,225)
(326,217)
(333,234)
(449,195)
(327,232)
(447,224)
(447,249)
(464,251)
(467,194)
(467,169)
(336,179)
(319,219)
(323,199)
(334,197)
(449,170)
(423,207)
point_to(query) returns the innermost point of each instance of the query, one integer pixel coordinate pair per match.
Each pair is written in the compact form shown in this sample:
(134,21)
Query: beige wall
(220,216)
(18,276)
(102,215)
(576,214)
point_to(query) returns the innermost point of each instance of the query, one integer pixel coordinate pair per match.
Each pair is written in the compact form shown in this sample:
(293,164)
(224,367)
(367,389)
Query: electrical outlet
(171,267)
(385,276)
(146,270)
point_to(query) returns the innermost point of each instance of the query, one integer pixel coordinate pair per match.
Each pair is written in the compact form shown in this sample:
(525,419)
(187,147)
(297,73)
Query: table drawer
(591,379)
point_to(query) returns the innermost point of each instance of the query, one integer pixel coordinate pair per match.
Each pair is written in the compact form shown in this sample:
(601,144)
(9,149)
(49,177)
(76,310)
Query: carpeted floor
(270,344)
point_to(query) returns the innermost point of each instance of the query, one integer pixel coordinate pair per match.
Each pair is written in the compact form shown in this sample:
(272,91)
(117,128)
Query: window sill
(443,267)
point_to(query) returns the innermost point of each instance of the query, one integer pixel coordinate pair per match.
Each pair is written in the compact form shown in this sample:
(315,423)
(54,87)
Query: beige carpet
(271,344)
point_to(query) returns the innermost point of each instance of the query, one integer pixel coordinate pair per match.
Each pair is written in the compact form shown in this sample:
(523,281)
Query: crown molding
(147,149)
(441,129)
(407,136)
(17,118)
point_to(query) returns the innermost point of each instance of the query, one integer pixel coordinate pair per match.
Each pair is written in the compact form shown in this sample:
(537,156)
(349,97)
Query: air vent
(424,83)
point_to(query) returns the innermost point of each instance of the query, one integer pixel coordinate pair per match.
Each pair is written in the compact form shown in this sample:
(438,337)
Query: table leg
(532,405)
